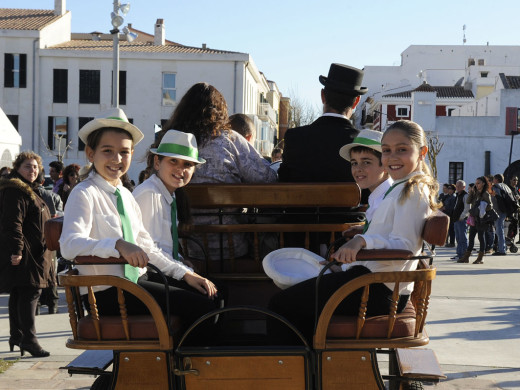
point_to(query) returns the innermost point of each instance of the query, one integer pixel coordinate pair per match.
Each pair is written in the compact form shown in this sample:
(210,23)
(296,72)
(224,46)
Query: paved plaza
(473,323)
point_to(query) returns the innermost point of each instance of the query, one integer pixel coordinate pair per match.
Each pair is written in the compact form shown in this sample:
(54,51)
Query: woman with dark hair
(24,261)
(480,200)
(70,179)
(203,112)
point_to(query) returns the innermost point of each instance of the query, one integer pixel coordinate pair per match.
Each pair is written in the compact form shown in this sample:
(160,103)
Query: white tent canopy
(10,141)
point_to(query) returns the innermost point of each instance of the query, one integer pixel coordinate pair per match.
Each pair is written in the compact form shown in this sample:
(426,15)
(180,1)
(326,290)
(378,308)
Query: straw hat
(115,117)
(368,138)
(290,266)
(179,144)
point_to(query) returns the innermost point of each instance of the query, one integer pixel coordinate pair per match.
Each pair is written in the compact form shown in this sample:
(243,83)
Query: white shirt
(374,200)
(397,225)
(92,226)
(335,115)
(376,197)
(155,202)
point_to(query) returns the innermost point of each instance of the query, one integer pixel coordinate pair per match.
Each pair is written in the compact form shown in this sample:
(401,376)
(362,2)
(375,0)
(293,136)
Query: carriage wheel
(102,382)
(513,248)
(412,385)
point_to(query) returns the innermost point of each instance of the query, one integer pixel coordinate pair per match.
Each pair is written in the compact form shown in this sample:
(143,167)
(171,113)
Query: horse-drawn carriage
(358,352)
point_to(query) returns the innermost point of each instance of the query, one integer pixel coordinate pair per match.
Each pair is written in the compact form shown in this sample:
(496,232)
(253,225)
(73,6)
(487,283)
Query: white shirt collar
(335,115)
(101,182)
(162,188)
(380,191)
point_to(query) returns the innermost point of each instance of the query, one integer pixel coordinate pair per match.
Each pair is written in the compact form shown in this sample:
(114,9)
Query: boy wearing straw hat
(364,154)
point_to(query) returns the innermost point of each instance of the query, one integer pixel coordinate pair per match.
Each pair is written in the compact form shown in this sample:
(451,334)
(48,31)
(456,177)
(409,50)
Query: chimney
(204,46)
(60,7)
(160,33)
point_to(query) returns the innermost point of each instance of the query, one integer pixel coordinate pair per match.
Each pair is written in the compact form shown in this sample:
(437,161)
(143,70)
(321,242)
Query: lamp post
(117,21)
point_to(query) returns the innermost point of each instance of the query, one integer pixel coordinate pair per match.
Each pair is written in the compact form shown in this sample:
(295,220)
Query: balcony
(266,113)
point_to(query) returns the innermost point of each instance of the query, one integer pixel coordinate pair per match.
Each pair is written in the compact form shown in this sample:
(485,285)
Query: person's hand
(16,259)
(201,284)
(347,252)
(134,255)
(66,187)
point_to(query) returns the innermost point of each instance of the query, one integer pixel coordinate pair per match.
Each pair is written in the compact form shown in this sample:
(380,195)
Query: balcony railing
(266,112)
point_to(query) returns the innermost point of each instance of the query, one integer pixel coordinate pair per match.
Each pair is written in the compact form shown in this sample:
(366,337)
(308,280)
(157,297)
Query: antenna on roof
(464,34)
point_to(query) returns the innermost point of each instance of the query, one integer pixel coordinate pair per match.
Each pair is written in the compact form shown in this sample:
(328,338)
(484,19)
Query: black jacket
(459,206)
(311,153)
(22,217)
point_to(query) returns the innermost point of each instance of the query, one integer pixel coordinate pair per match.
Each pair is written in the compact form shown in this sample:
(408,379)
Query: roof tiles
(124,46)
(443,92)
(25,19)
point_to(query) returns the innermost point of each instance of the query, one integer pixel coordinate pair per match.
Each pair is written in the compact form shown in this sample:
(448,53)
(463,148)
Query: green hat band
(116,118)
(365,141)
(178,149)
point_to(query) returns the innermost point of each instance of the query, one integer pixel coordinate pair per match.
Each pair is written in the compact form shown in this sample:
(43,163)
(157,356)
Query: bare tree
(302,112)
(62,149)
(434,148)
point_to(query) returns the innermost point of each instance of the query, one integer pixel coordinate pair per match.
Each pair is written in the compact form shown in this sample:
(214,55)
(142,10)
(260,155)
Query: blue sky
(294,41)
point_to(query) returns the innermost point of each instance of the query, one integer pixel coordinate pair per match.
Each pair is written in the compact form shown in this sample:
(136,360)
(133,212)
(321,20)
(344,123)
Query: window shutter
(50,132)
(8,70)
(122,87)
(23,70)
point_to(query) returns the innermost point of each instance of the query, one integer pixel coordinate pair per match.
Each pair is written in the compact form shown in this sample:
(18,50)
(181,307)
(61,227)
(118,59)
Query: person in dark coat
(311,153)
(24,261)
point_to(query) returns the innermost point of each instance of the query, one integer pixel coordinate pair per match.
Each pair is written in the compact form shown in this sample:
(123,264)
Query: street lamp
(117,21)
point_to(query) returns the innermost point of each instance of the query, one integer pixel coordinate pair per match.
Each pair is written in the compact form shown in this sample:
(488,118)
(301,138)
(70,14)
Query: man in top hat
(311,153)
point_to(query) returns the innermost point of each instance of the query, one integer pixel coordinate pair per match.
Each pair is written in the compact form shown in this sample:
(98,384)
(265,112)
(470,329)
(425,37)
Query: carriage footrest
(419,364)
(92,362)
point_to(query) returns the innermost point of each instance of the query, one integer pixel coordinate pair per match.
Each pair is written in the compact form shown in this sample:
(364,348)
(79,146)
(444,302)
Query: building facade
(460,95)
(54,82)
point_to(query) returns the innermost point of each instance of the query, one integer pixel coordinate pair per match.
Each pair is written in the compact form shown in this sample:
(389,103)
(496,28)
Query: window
(456,171)
(60,86)
(402,111)
(15,70)
(89,92)
(14,121)
(122,87)
(82,121)
(169,93)
(484,74)
(450,109)
(57,135)
(481,62)
(471,61)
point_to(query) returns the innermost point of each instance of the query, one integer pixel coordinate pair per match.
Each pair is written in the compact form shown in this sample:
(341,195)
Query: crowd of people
(104,215)
(488,209)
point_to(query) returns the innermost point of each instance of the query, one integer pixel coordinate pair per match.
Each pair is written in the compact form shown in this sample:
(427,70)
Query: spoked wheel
(513,248)
(412,385)
(102,382)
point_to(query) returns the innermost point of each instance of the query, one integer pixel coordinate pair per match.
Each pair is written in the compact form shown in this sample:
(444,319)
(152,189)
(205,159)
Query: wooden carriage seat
(407,325)
(93,331)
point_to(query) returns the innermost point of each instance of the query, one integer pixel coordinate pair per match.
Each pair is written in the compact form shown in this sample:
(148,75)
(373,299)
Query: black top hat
(344,79)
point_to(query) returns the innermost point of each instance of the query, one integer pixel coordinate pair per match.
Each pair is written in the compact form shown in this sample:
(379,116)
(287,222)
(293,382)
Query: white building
(55,81)
(459,93)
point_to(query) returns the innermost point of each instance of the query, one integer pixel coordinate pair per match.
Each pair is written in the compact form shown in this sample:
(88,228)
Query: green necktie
(175,235)
(131,272)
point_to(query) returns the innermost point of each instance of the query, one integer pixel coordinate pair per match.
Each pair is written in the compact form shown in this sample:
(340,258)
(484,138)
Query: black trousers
(185,302)
(297,303)
(22,309)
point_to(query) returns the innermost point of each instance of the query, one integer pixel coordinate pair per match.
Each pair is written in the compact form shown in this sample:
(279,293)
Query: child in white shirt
(174,164)
(396,224)
(94,224)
